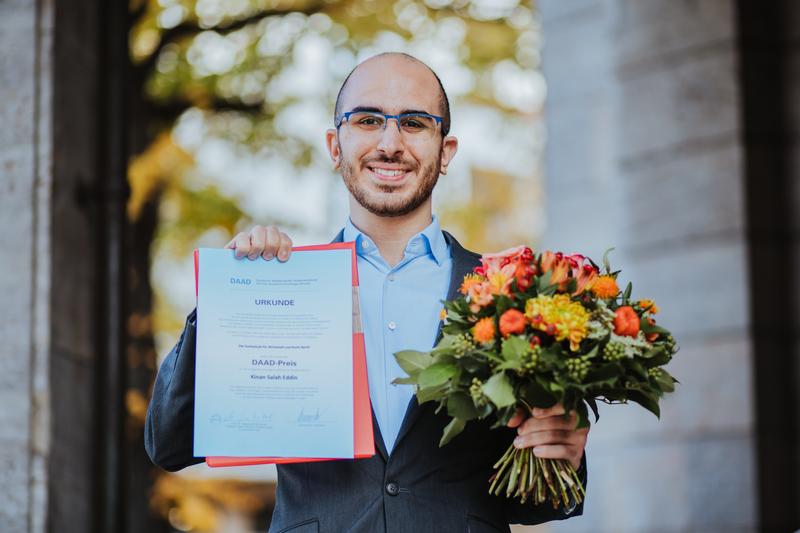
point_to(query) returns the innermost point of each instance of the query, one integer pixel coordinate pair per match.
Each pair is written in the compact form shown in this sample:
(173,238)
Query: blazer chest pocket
(306,526)
(476,524)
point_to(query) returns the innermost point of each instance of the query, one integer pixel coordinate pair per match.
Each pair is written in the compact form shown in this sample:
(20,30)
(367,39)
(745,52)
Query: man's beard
(428,176)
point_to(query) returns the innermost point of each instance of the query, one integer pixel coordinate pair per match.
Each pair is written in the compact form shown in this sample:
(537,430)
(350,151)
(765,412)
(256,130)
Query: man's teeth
(388,173)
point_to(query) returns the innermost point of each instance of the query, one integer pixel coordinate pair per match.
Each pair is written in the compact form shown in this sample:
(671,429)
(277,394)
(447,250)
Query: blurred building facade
(673,135)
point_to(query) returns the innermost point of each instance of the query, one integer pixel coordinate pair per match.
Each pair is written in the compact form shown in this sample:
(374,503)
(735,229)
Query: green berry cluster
(531,358)
(578,367)
(462,344)
(613,351)
(476,392)
(670,344)
(655,372)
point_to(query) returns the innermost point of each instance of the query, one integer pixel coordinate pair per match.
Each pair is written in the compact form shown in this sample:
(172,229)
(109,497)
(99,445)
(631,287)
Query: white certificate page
(274,369)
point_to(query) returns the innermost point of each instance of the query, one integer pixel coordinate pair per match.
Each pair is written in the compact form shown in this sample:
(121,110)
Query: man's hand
(551,434)
(267,242)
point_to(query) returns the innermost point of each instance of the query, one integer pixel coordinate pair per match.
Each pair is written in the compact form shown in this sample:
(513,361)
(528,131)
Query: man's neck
(390,234)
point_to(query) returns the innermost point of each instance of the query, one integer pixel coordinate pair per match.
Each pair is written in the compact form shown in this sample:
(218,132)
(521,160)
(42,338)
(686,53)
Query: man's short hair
(444,103)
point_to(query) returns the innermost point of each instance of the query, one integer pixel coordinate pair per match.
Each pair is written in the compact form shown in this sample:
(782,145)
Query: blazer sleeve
(169,427)
(529,514)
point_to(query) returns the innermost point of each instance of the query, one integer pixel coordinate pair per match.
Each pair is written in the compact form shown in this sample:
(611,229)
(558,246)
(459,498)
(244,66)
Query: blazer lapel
(463,263)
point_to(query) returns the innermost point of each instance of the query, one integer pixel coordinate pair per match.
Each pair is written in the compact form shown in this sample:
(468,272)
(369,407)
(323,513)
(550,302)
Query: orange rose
(626,322)
(483,331)
(512,321)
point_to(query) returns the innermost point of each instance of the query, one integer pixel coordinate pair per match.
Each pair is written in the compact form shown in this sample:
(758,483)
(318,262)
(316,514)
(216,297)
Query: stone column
(645,154)
(26,33)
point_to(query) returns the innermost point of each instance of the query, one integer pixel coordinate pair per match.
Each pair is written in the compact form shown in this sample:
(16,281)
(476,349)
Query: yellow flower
(649,306)
(443,314)
(605,287)
(560,317)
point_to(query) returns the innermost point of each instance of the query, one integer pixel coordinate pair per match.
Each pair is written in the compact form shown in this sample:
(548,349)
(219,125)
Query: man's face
(390,173)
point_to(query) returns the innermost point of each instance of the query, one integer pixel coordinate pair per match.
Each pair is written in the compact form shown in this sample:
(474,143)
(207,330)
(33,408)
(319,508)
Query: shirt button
(392,488)
(392,326)
(391,277)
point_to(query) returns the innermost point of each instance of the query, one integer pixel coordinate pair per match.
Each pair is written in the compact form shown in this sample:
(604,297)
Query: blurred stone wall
(651,150)
(25,262)
(50,275)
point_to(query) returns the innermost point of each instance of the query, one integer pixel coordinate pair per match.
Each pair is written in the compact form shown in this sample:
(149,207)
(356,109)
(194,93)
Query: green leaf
(645,400)
(514,348)
(606,374)
(627,294)
(537,396)
(647,327)
(606,263)
(499,390)
(431,393)
(413,361)
(460,405)
(452,429)
(411,380)
(666,381)
(436,374)
(656,356)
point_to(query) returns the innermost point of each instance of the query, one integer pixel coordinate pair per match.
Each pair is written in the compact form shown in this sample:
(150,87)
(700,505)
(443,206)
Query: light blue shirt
(400,309)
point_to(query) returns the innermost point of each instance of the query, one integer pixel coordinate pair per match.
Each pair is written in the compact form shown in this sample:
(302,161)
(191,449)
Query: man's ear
(334,150)
(449,149)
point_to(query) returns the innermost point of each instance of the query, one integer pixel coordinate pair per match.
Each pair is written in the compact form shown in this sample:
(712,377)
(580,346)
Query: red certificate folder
(364,443)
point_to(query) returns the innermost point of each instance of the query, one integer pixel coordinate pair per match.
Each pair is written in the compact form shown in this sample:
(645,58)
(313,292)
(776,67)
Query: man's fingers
(271,243)
(544,424)
(517,419)
(544,412)
(553,436)
(258,239)
(241,244)
(285,248)
(559,451)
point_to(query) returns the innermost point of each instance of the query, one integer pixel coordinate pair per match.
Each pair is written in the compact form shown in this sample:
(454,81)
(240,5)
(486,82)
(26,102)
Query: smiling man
(390,143)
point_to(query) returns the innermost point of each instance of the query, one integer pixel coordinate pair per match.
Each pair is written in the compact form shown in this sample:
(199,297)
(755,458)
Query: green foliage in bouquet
(534,331)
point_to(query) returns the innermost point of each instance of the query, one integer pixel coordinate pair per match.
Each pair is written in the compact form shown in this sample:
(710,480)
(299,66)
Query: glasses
(420,126)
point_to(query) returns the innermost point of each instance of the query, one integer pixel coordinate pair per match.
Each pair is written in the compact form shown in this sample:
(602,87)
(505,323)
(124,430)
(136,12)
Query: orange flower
(512,321)
(605,287)
(470,280)
(626,322)
(483,330)
(648,306)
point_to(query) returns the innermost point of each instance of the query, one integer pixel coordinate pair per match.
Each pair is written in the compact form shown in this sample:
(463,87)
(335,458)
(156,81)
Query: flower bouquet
(532,331)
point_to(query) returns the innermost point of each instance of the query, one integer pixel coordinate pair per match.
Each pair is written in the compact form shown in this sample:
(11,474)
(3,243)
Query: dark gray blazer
(419,488)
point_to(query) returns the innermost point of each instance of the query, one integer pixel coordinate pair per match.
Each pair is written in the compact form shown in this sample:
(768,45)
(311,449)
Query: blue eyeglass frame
(346,116)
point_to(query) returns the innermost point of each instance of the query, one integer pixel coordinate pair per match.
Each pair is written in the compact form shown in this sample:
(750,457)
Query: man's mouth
(388,173)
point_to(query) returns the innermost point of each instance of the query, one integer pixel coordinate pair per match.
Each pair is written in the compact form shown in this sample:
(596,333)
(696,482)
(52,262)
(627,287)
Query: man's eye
(369,121)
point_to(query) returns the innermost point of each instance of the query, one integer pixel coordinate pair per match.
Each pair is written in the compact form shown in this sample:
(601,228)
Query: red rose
(626,322)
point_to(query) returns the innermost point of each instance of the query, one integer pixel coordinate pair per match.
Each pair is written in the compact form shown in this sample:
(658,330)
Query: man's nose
(391,141)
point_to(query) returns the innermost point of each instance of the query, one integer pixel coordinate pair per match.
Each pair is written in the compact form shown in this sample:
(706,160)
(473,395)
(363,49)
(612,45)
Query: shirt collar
(429,240)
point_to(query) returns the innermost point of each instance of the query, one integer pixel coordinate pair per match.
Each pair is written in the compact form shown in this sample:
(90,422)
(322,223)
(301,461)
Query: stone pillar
(61,157)
(25,262)
(645,154)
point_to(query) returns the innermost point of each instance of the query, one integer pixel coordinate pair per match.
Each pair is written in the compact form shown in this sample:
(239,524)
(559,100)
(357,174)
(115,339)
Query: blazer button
(392,488)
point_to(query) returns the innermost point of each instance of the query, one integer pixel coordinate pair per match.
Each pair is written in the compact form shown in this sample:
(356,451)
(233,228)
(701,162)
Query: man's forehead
(393,83)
